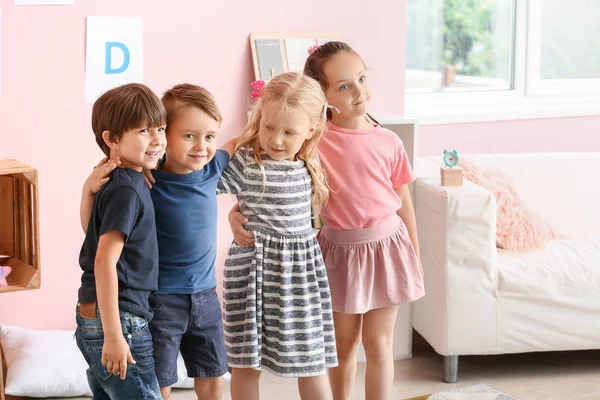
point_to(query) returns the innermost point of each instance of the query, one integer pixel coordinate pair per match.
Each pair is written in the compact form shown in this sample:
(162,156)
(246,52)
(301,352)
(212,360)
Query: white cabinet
(406,129)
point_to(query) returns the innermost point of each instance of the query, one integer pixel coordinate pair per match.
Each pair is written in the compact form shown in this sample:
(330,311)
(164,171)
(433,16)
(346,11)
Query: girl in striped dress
(277,304)
(369,238)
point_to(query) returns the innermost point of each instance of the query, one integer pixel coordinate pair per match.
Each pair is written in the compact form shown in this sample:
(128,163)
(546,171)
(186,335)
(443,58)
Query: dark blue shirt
(186,225)
(124,204)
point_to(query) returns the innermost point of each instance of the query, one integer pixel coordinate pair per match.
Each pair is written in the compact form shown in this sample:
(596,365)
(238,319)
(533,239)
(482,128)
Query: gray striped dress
(277,305)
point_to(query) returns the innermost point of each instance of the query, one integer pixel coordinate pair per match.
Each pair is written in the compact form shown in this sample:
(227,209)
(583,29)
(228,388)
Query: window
(564,43)
(457,45)
(478,60)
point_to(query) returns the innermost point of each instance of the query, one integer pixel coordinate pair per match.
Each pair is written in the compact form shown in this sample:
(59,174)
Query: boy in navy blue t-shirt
(119,256)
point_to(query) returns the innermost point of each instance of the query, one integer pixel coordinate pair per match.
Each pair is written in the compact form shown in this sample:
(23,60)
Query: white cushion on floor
(43,363)
(49,364)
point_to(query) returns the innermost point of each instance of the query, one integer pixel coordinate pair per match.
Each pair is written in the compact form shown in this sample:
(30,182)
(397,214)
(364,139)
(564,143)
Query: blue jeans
(140,382)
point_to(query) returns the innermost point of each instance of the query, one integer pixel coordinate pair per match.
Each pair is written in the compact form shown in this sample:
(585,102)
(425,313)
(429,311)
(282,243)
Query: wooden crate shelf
(19,225)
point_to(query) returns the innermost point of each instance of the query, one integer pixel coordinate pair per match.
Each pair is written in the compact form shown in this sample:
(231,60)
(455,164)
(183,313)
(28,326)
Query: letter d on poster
(114,53)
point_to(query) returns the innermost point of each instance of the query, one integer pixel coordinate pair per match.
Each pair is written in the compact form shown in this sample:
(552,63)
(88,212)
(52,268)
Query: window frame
(528,99)
(549,87)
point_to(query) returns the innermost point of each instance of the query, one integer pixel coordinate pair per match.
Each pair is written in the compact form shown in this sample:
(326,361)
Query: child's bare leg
(165,392)
(377,337)
(209,388)
(244,384)
(314,387)
(347,339)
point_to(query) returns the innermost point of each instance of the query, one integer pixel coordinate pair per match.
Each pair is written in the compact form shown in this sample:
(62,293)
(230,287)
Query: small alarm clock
(452,174)
(451,158)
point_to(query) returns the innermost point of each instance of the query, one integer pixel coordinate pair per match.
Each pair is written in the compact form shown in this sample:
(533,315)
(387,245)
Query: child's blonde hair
(293,91)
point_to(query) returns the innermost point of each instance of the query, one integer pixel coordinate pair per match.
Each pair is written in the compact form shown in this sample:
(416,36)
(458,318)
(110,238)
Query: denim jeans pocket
(137,334)
(133,325)
(89,326)
(93,350)
(142,350)
(212,307)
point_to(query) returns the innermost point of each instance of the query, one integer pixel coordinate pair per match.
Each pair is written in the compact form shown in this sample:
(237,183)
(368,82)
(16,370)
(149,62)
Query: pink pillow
(517,228)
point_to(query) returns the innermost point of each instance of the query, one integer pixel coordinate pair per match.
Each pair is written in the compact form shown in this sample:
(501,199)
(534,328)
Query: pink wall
(46,124)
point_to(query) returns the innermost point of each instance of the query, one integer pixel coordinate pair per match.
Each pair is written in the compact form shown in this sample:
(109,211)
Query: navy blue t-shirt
(124,204)
(186,225)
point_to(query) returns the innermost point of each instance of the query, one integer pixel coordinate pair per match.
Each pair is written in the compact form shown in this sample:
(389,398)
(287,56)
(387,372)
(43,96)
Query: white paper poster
(43,2)
(297,52)
(114,53)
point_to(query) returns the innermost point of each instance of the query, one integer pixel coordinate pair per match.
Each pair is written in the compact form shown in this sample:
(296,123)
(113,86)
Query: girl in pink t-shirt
(369,238)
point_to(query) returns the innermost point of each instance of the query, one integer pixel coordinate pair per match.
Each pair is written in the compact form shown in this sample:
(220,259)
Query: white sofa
(483,300)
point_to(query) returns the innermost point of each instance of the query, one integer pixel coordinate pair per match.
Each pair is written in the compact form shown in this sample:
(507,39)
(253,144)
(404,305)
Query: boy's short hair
(188,95)
(125,107)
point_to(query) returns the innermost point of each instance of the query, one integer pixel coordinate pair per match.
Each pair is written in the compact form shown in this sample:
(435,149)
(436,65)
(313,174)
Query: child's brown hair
(125,107)
(315,64)
(188,95)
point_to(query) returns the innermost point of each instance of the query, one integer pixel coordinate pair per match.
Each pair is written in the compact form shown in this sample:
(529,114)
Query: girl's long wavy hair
(292,92)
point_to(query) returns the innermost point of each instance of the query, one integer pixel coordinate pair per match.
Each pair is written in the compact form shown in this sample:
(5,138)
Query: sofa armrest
(457,229)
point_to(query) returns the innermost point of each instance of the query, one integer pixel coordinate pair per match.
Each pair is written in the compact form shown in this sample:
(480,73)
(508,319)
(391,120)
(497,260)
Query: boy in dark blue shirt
(187,308)
(119,256)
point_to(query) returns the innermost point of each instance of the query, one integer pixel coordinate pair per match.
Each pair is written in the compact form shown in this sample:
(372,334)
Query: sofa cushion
(517,227)
(548,299)
(562,268)
(560,187)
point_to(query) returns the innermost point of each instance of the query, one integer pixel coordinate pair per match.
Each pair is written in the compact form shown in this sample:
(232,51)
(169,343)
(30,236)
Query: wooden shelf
(19,225)
(22,277)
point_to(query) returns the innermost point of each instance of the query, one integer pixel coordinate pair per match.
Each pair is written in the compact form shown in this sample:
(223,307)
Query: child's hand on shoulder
(149,178)
(99,175)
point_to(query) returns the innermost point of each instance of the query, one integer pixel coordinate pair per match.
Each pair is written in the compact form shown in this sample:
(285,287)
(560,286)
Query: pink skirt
(371,268)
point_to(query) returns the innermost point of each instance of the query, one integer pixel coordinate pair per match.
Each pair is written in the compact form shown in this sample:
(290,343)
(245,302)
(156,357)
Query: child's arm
(115,351)
(92,185)
(232,179)
(407,213)
(402,174)
(229,147)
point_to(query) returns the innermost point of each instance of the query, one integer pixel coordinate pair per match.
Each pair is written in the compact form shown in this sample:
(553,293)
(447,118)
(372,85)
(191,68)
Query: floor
(533,376)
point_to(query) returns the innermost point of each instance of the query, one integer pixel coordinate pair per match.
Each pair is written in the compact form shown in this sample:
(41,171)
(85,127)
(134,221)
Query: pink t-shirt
(363,167)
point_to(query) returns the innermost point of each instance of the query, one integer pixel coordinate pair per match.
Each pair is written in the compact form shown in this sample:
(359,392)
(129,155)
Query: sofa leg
(450,369)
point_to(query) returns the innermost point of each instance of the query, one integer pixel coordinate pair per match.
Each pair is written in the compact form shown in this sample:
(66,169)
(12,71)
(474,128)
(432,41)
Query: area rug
(475,392)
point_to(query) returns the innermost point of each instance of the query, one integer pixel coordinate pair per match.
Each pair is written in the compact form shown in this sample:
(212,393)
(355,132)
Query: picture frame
(278,52)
